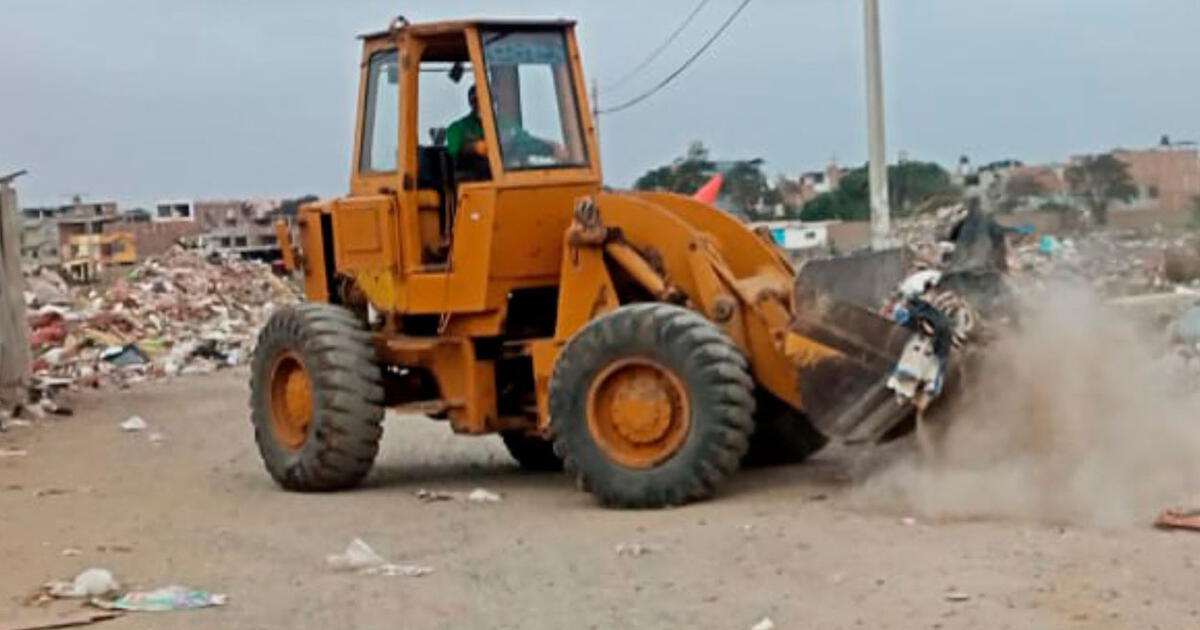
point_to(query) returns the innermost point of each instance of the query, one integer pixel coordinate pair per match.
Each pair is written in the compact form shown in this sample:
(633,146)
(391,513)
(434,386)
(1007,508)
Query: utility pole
(15,359)
(880,215)
(596,106)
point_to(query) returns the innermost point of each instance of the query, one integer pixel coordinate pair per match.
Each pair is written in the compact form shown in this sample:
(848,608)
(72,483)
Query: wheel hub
(291,400)
(638,412)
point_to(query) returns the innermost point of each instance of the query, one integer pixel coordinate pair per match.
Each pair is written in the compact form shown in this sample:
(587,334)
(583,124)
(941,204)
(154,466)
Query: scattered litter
(764,624)
(71,551)
(361,558)
(1181,519)
(89,583)
(163,599)
(134,423)
(398,570)
(909,521)
(50,492)
(957,596)
(156,438)
(636,549)
(46,621)
(13,452)
(126,355)
(478,495)
(429,496)
(17,422)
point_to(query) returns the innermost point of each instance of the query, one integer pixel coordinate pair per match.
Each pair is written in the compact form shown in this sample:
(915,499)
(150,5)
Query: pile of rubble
(180,313)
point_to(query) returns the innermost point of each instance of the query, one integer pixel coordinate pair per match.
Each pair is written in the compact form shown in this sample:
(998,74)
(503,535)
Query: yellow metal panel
(464,287)
(585,290)
(528,228)
(545,355)
(316,285)
(363,229)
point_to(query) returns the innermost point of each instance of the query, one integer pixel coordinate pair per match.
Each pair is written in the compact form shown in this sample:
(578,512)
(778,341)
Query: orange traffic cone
(709,192)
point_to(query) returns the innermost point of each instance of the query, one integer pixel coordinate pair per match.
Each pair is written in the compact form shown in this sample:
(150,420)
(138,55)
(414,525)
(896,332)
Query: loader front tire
(651,405)
(316,398)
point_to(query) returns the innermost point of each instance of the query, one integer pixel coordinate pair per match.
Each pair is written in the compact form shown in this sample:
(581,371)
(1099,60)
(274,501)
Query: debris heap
(180,313)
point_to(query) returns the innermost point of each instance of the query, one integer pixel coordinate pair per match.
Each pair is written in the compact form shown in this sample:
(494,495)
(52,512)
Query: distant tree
(911,184)
(912,187)
(1099,180)
(1018,190)
(746,187)
(685,174)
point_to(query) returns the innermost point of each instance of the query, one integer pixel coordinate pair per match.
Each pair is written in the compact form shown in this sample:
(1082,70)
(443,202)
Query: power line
(671,77)
(658,51)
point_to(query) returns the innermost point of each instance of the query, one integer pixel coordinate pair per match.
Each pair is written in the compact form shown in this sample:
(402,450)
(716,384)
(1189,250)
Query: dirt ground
(787,543)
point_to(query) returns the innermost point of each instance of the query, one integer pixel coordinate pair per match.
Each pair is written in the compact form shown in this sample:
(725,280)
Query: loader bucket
(836,303)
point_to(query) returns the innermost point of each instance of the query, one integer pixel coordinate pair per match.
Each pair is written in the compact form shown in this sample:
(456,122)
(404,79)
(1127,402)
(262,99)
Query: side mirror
(456,71)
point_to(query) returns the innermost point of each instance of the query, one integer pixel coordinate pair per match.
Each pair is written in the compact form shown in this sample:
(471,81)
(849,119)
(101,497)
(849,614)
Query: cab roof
(448,26)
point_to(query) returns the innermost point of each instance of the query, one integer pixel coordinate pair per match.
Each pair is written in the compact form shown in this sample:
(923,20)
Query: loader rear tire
(651,405)
(782,435)
(532,452)
(316,398)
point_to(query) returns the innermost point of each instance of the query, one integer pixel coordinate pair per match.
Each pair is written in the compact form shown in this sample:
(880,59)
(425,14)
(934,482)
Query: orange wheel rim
(291,400)
(638,412)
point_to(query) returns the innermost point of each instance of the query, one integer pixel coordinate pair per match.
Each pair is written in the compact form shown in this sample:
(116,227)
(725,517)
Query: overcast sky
(138,100)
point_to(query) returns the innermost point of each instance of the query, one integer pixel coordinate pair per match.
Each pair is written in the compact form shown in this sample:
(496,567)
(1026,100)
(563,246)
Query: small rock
(908,520)
(13,452)
(71,551)
(957,596)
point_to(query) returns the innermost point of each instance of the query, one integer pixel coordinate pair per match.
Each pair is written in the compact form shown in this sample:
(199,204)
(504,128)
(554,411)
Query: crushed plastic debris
(359,557)
(635,550)
(764,624)
(92,582)
(134,423)
(478,495)
(163,599)
(13,452)
(957,596)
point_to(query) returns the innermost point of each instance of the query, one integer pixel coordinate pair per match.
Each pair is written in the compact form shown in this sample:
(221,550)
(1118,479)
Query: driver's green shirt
(462,133)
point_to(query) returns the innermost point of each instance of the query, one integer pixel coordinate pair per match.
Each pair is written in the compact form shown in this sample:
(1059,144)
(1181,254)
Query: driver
(465,141)
(465,135)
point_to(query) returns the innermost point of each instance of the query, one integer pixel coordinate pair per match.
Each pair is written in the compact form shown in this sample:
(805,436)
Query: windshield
(533,99)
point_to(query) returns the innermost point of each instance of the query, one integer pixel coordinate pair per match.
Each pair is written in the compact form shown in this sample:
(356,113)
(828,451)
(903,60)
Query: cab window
(533,99)
(381,122)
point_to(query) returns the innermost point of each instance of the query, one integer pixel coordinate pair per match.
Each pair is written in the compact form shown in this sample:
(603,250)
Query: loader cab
(532,123)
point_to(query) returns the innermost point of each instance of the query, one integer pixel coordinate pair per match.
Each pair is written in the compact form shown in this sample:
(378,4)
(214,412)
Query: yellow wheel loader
(483,275)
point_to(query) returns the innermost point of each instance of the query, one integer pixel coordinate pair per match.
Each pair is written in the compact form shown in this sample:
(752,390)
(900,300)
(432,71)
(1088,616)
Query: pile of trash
(180,313)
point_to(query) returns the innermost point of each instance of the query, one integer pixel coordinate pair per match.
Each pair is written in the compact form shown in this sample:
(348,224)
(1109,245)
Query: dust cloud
(1077,418)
